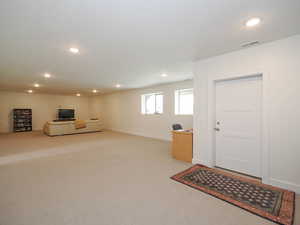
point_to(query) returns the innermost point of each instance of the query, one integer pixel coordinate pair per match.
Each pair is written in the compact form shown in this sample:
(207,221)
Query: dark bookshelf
(22,120)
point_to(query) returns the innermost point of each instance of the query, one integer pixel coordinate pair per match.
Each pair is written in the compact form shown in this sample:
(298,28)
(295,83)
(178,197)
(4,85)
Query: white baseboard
(139,134)
(201,161)
(196,161)
(285,184)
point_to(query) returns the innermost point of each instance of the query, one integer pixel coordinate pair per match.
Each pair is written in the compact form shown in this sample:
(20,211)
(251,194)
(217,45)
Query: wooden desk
(182,145)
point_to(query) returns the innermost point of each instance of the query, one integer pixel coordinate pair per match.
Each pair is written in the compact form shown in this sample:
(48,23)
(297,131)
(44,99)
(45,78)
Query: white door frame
(264,123)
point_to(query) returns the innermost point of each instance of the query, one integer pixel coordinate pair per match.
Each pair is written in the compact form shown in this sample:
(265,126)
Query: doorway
(238,124)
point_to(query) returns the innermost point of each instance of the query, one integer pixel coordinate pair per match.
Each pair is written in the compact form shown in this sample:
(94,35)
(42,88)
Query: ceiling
(128,42)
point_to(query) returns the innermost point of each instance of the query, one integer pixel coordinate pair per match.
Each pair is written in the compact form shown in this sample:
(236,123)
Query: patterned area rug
(270,202)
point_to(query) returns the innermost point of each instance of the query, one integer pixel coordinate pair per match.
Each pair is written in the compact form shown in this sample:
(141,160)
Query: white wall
(280,61)
(96,107)
(122,112)
(44,107)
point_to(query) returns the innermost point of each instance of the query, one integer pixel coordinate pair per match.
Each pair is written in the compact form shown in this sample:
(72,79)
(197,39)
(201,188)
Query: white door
(238,125)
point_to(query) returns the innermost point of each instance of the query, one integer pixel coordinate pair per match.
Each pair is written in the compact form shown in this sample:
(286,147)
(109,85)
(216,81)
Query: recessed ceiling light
(47,75)
(95,91)
(74,50)
(164,75)
(253,22)
(118,85)
(30,91)
(36,85)
(78,94)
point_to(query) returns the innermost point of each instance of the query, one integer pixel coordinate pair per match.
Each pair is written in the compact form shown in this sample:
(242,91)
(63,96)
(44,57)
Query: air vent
(250,44)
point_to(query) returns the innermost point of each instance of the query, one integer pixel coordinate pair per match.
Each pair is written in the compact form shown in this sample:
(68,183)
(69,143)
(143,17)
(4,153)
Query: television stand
(62,120)
(68,127)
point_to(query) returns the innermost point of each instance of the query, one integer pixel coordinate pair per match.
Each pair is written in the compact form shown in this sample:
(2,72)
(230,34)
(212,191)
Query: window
(184,101)
(152,103)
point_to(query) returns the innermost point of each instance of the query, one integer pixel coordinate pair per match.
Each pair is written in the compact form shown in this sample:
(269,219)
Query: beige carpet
(113,179)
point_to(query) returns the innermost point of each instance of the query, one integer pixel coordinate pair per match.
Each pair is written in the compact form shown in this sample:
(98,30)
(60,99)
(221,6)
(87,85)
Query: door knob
(217,129)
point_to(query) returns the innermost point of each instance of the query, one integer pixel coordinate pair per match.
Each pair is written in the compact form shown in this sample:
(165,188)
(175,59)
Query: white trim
(265,124)
(265,159)
(196,161)
(286,185)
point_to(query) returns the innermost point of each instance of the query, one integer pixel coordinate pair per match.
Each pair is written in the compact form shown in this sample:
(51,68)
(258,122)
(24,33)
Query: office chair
(177,126)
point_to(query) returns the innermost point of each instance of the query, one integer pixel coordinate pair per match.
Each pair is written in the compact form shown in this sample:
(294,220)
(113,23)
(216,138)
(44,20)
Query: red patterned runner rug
(269,202)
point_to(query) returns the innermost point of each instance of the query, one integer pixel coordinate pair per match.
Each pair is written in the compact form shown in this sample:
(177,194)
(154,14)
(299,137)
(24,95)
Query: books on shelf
(22,120)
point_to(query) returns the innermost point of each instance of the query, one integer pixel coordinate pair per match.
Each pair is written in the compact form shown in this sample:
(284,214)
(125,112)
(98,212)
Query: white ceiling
(130,42)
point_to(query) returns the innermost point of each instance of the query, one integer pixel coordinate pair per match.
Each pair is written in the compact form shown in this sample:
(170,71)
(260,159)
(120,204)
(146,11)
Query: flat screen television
(66,114)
